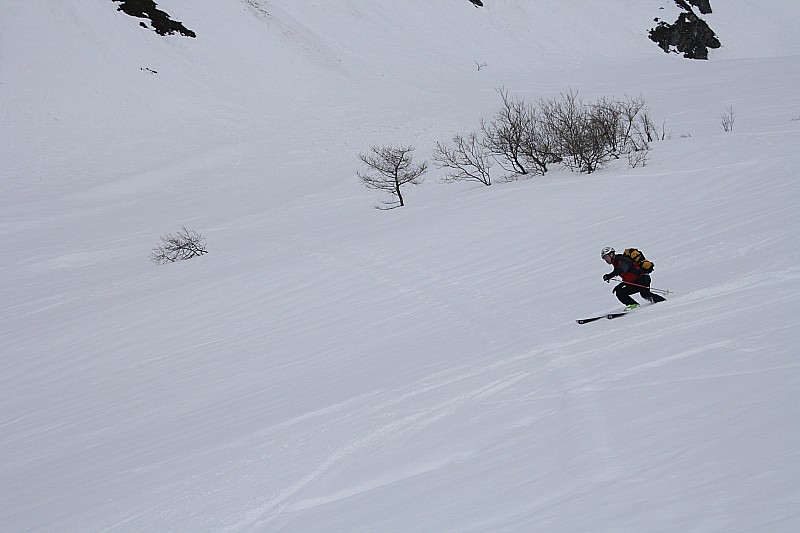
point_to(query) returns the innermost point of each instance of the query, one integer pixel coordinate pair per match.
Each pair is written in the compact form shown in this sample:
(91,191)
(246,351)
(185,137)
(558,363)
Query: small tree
(515,136)
(505,132)
(525,139)
(388,169)
(617,119)
(468,160)
(727,120)
(588,135)
(184,245)
(581,131)
(638,157)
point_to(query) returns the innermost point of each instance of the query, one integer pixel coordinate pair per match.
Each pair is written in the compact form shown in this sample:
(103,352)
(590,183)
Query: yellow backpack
(638,257)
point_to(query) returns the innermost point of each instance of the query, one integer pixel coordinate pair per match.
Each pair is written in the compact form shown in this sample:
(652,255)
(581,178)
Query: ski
(591,319)
(613,314)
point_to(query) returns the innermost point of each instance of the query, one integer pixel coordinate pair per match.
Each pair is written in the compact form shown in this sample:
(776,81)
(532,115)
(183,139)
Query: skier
(633,279)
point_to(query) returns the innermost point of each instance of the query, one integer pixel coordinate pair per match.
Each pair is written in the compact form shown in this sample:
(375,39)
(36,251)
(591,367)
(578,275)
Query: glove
(607,277)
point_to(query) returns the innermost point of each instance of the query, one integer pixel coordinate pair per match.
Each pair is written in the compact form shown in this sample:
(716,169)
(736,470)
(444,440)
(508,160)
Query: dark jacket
(625,268)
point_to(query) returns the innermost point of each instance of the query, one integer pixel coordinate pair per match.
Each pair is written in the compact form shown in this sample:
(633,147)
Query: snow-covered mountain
(332,367)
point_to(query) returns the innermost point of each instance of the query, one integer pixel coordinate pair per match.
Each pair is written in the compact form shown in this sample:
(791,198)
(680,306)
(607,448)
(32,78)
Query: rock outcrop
(161,22)
(689,35)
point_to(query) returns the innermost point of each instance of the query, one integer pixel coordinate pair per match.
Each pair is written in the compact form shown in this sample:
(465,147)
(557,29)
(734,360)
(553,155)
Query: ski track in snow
(402,408)
(575,389)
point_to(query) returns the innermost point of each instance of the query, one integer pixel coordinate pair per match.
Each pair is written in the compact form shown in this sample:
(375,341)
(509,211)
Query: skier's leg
(624,291)
(654,298)
(645,291)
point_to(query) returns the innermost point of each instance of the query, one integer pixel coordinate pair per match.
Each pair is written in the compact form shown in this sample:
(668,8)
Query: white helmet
(607,250)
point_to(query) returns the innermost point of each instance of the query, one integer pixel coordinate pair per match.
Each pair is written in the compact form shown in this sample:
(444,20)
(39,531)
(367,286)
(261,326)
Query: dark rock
(689,34)
(147,9)
(703,5)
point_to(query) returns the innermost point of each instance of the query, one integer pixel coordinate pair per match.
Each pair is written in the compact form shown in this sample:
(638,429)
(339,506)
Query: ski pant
(624,291)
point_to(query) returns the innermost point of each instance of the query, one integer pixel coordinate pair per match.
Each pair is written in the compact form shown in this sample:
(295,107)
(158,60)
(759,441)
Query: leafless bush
(504,134)
(185,244)
(645,131)
(611,124)
(639,157)
(582,132)
(517,137)
(539,146)
(526,139)
(625,116)
(586,135)
(727,119)
(467,160)
(388,169)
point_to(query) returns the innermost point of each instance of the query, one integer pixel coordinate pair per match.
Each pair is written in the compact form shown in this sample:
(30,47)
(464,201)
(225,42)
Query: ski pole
(657,291)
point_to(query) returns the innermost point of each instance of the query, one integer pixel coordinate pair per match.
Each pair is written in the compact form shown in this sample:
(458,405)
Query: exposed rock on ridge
(689,34)
(147,9)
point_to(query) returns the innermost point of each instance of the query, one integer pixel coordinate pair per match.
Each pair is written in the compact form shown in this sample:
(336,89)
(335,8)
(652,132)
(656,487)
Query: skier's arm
(622,266)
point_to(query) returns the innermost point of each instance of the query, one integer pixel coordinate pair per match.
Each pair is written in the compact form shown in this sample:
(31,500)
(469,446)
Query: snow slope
(332,367)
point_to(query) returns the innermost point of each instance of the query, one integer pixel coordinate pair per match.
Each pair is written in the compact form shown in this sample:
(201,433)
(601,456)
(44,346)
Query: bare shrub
(581,131)
(517,137)
(645,131)
(606,118)
(629,112)
(586,135)
(388,169)
(526,139)
(639,157)
(642,132)
(504,134)
(185,244)
(539,146)
(467,160)
(727,119)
